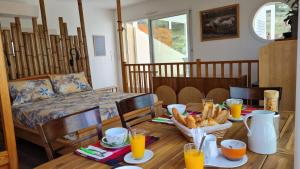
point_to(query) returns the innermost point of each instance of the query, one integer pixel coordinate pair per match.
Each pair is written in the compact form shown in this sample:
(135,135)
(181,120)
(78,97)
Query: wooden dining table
(168,150)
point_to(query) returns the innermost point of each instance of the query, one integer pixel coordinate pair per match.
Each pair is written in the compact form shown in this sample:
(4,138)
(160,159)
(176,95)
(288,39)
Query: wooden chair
(55,129)
(190,95)
(219,95)
(252,95)
(166,94)
(129,109)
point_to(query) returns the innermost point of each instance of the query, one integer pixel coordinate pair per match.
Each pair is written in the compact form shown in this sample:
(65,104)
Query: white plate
(221,162)
(236,119)
(129,167)
(130,160)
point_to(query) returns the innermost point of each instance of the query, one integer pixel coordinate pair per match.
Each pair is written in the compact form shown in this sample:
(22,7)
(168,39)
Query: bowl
(180,108)
(233,149)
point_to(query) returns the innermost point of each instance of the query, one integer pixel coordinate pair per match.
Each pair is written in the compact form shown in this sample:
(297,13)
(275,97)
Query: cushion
(30,90)
(70,83)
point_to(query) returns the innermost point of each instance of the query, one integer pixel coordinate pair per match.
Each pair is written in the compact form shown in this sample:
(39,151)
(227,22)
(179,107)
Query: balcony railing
(139,76)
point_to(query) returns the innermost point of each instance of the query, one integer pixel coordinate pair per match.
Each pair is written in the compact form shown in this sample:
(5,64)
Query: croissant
(222,116)
(190,122)
(178,116)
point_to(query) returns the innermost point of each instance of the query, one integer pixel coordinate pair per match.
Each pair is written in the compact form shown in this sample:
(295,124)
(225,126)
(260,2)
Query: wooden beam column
(10,156)
(121,46)
(82,24)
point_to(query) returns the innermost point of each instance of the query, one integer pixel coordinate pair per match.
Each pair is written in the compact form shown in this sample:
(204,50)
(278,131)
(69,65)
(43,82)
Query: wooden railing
(139,76)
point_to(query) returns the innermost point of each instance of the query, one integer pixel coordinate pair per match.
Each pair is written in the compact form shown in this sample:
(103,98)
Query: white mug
(115,136)
(210,147)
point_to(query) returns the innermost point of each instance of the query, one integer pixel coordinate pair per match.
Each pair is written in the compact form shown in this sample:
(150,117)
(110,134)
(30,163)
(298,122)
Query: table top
(168,151)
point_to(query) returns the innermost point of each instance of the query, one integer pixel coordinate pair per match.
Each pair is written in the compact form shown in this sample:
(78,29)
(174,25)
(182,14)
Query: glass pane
(268,22)
(137,48)
(170,39)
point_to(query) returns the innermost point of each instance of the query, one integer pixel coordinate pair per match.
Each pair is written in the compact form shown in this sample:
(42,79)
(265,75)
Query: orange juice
(138,146)
(236,110)
(194,159)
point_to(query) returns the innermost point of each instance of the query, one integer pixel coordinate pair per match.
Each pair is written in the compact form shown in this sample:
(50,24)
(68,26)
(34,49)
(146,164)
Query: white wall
(245,47)
(97,22)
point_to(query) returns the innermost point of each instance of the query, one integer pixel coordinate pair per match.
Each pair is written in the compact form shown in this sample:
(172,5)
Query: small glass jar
(271,100)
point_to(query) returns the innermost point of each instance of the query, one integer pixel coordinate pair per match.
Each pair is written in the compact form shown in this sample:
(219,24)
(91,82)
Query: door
(8,151)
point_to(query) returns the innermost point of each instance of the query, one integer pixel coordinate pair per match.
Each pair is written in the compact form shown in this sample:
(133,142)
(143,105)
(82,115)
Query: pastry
(222,117)
(190,122)
(178,116)
(211,122)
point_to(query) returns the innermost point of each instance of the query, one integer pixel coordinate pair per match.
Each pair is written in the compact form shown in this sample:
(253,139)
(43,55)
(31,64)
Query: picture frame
(99,45)
(220,23)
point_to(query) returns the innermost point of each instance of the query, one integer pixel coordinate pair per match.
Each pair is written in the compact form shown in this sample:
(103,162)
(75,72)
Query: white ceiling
(109,4)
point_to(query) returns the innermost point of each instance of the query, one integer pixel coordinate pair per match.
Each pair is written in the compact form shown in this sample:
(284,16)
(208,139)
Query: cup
(210,146)
(193,158)
(235,107)
(207,101)
(137,142)
(115,136)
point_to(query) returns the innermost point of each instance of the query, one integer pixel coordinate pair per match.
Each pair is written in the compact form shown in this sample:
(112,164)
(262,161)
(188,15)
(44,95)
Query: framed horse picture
(220,23)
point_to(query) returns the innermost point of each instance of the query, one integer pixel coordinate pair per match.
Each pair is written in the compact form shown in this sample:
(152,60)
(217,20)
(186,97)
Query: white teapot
(261,135)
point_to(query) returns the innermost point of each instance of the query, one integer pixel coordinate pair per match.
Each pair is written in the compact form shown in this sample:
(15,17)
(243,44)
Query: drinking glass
(193,158)
(235,107)
(137,142)
(207,101)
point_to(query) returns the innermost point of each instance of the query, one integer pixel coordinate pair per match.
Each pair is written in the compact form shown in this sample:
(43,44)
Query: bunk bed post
(82,25)
(9,157)
(121,46)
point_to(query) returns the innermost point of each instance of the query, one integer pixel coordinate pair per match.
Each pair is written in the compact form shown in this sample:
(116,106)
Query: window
(158,40)
(268,22)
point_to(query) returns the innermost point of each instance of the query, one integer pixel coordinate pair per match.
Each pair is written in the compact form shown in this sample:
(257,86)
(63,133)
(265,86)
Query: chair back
(166,94)
(55,129)
(252,94)
(219,95)
(190,95)
(129,109)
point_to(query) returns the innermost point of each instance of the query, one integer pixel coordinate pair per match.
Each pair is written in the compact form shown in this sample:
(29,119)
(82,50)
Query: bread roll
(190,122)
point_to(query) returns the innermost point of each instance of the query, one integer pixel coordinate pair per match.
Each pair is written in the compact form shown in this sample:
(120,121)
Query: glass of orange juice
(137,142)
(194,159)
(235,107)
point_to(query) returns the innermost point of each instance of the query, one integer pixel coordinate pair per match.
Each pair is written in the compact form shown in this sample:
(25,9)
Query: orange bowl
(233,149)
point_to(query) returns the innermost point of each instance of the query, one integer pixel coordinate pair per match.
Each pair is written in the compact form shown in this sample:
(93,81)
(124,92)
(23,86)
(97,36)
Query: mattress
(31,114)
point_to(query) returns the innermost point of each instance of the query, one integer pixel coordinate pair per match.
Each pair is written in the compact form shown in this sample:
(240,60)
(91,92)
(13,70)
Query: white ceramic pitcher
(261,135)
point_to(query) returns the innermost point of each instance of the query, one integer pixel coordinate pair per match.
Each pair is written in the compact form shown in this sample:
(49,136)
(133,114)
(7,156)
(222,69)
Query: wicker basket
(218,130)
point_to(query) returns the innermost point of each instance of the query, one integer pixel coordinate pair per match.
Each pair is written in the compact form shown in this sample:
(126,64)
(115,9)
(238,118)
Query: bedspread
(31,114)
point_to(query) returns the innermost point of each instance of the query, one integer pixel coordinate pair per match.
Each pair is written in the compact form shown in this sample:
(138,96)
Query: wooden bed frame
(33,136)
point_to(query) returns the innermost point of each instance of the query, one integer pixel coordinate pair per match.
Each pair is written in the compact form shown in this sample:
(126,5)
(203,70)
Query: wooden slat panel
(83,57)
(150,78)
(178,69)
(231,69)
(249,74)
(78,60)
(206,70)
(191,70)
(34,55)
(60,57)
(214,70)
(68,46)
(21,46)
(17,50)
(73,53)
(130,79)
(38,47)
(135,79)
(10,55)
(184,70)
(140,78)
(159,69)
(166,70)
(199,68)
(64,44)
(222,70)
(240,69)
(54,54)
(28,53)
(172,70)
(145,79)
(44,49)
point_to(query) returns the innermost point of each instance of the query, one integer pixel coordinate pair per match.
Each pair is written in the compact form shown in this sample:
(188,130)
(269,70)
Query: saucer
(129,167)
(130,160)
(221,162)
(109,146)
(236,119)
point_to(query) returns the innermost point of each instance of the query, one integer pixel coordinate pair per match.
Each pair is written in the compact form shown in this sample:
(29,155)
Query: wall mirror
(268,22)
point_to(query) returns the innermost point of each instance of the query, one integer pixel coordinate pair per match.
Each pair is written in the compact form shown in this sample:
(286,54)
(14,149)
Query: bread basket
(218,130)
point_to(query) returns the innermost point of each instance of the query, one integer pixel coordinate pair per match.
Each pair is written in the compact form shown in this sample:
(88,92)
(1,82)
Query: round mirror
(268,22)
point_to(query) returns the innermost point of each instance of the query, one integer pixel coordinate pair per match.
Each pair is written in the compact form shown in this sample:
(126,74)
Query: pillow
(70,83)
(30,90)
